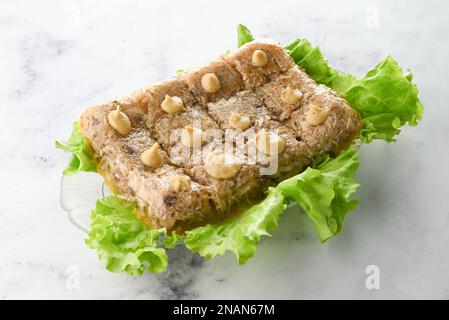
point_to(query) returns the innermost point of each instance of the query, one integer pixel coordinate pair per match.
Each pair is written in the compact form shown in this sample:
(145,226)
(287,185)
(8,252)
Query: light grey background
(58,57)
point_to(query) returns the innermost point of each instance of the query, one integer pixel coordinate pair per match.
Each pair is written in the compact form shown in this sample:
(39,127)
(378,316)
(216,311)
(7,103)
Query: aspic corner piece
(385,97)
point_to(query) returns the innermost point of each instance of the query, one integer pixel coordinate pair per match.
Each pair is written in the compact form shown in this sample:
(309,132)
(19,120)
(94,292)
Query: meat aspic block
(199,147)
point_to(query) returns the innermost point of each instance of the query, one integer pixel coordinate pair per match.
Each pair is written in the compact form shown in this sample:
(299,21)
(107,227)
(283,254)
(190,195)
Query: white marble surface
(58,57)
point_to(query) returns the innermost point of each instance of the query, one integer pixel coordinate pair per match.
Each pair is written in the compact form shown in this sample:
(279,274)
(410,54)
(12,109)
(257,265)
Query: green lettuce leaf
(123,241)
(324,191)
(341,82)
(243,35)
(311,60)
(81,160)
(386,99)
(239,234)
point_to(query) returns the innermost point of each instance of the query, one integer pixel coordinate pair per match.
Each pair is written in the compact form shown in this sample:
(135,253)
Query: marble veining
(57,58)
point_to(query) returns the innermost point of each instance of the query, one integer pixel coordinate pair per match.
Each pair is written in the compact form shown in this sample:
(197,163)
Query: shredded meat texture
(296,154)
(119,162)
(278,62)
(245,89)
(230,81)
